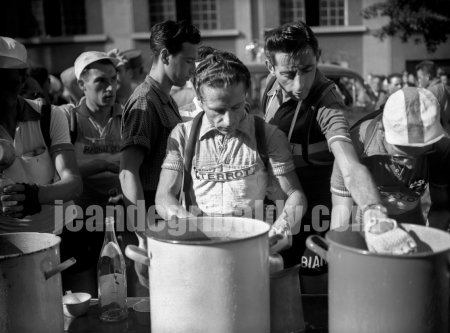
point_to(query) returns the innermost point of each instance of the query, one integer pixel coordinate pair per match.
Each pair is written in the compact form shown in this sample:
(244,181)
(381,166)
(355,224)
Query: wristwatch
(375,206)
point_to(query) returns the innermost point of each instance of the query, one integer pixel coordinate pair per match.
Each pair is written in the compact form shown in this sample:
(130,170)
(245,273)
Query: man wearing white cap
(406,150)
(95,130)
(41,171)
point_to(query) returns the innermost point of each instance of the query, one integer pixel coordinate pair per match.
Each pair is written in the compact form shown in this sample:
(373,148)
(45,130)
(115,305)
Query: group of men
(225,160)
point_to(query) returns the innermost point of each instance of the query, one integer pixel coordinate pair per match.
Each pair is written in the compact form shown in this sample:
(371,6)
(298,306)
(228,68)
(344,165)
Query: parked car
(357,95)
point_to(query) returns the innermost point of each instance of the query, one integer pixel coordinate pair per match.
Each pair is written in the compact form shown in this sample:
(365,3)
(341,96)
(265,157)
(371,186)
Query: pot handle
(316,244)
(137,254)
(59,268)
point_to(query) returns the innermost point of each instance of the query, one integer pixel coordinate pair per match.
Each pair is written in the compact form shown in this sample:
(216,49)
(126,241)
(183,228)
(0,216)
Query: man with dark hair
(306,106)
(426,73)
(189,111)
(151,113)
(395,83)
(427,78)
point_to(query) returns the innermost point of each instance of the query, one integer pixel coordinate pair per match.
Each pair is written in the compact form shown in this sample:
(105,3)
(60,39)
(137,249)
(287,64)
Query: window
(332,12)
(59,17)
(204,14)
(43,18)
(161,10)
(291,11)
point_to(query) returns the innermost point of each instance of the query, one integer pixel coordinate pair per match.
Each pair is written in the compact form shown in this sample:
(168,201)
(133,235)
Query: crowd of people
(108,135)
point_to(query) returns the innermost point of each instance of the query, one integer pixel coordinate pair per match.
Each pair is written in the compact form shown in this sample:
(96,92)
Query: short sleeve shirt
(149,117)
(34,163)
(400,188)
(93,142)
(228,173)
(330,118)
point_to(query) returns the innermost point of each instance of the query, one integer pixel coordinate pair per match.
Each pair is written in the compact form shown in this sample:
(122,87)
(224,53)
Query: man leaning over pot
(228,172)
(406,150)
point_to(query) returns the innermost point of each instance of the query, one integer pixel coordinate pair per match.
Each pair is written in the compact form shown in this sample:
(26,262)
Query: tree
(428,18)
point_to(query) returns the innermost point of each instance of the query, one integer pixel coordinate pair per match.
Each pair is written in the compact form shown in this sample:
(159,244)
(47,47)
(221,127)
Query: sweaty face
(181,65)
(295,76)
(224,106)
(100,85)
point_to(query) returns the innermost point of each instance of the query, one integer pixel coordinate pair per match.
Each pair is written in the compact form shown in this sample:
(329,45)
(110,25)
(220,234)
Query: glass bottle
(111,273)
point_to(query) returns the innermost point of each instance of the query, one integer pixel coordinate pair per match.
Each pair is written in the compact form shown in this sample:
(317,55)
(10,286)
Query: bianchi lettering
(312,262)
(224,176)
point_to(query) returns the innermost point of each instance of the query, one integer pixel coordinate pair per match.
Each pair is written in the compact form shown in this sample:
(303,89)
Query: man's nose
(226,119)
(298,83)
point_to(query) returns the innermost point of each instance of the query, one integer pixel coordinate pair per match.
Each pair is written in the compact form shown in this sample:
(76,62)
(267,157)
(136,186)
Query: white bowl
(76,304)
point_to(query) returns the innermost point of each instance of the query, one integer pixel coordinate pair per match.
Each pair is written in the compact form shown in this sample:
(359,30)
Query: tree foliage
(428,18)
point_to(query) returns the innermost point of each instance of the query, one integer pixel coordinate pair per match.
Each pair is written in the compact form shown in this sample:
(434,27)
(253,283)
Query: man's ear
(81,85)
(164,56)
(270,67)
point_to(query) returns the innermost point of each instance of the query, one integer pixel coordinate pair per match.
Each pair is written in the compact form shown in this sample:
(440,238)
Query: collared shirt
(329,125)
(227,171)
(149,116)
(95,142)
(330,118)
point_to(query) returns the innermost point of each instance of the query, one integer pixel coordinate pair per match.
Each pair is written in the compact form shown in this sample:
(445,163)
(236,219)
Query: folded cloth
(383,235)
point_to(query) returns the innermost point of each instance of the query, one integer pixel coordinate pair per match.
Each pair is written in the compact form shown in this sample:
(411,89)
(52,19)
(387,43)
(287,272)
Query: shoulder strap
(313,103)
(73,126)
(189,154)
(269,84)
(260,134)
(46,117)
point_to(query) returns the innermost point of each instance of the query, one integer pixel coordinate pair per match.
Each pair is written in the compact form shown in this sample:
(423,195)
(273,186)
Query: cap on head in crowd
(134,57)
(411,117)
(87,58)
(13,54)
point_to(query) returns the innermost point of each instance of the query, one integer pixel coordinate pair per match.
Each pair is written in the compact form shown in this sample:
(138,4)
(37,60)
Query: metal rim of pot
(321,251)
(148,233)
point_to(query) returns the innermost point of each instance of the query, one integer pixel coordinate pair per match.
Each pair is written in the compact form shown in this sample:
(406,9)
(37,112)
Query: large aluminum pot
(208,274)
(30,283)
(374,293)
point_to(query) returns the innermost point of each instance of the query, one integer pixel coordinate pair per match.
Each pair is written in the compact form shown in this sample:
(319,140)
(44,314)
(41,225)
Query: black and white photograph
(225,166)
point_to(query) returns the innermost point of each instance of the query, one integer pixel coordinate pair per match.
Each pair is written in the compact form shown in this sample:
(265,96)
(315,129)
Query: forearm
(92,167)
(131,187)
(341,213)
(68,188)
(361,185)
(169,207)
(294,208)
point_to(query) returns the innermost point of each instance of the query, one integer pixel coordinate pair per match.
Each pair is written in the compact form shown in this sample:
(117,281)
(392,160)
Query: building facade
(57,31)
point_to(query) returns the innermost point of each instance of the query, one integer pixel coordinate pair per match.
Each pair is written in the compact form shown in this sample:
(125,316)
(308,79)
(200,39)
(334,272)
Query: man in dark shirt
(306,106)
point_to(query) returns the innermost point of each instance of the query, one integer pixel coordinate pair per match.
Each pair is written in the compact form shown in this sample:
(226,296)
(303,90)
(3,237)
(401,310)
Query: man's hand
(383,235)
(20,200)
(142,270)
(280,235)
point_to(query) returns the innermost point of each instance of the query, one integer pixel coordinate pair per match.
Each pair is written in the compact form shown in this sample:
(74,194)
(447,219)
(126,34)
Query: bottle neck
(110,235)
